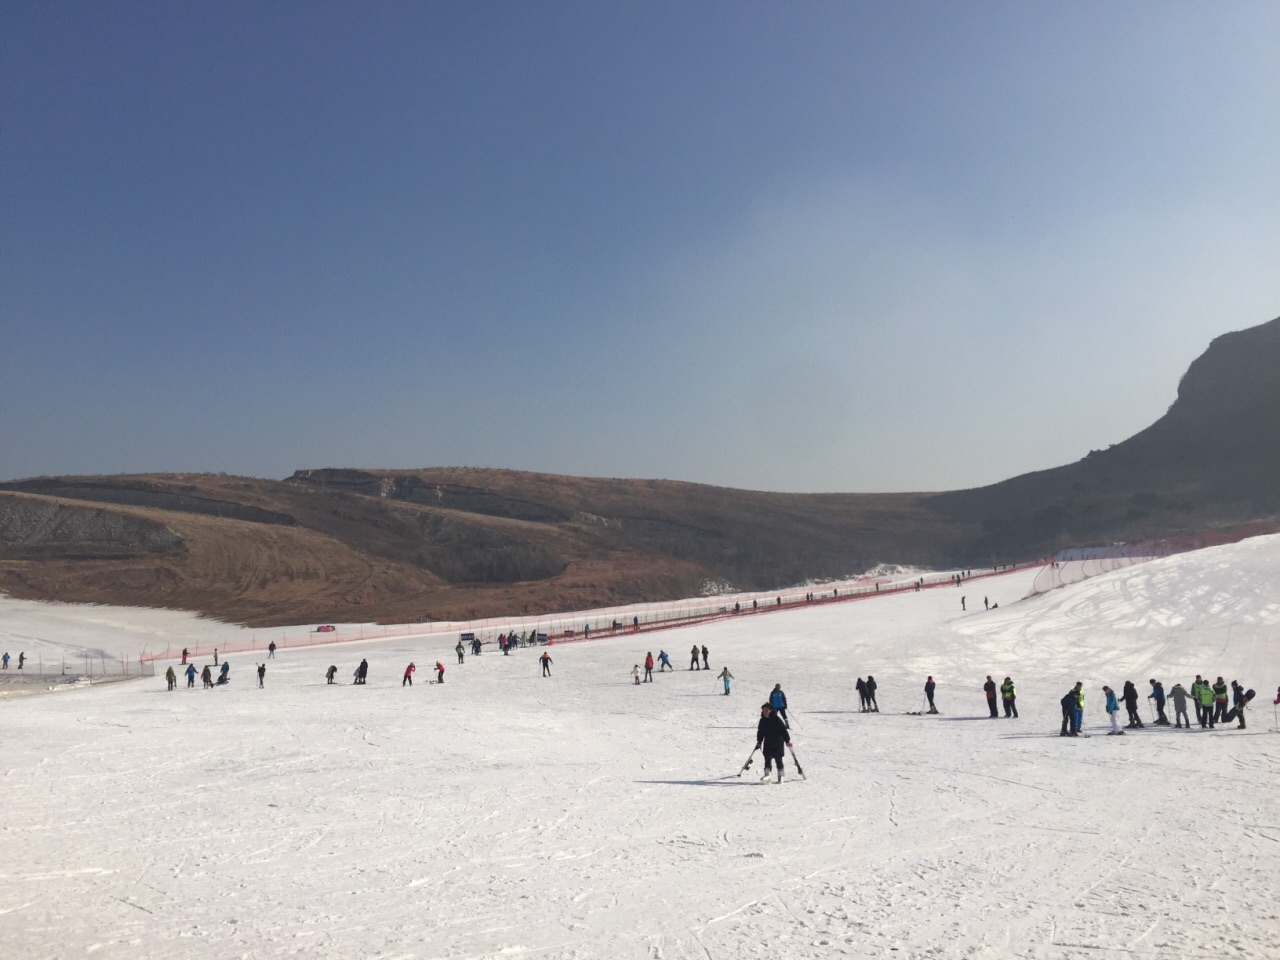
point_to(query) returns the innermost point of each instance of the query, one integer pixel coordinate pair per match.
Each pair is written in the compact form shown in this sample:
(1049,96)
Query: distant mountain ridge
(454,543)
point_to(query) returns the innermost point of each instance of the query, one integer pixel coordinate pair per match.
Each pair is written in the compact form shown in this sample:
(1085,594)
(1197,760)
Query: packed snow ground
(502,815)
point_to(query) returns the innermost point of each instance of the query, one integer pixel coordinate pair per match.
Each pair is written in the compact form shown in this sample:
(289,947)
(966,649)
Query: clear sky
(788,246)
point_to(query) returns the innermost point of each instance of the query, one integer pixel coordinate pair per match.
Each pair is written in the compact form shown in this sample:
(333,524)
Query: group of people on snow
(22,658)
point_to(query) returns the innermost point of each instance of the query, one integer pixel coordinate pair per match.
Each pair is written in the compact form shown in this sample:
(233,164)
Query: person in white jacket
(635,674)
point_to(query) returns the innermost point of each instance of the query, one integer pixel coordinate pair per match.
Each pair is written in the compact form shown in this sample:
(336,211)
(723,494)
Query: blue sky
(804,246)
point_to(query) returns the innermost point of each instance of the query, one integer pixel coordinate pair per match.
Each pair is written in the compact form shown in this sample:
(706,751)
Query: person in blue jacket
(1113,711)
(191,674)
(664,661)
(778,700)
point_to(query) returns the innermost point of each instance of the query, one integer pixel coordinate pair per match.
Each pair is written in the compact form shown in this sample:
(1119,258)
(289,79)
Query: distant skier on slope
(1113,711)
(1069,701)
(1009,695)
(773,737)
(693,663)
(989,688)
(648,667)
(362,672)
(330,673)
(206,677)
(872,705)
(409,671)
(635,675)
(726,676)
(1179,697)
(439,672)
(262,675)
(459,649)
(191,675)
(665,662)
(545,660)
(861,687)
(1157,694)
(705,664)
(778,701)
(171,678)
(1130,698)
(929,687)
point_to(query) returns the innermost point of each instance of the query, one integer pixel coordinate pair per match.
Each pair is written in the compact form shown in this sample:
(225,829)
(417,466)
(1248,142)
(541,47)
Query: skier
(1206,705)
(635,675)
(172,678)
(693,664)
(1179,697)
(1130,698)
(224,675)
(872,706)
(778,701)
(439,672)
(459,650)
(191,676)
(5,659)
(648,667)
(990,688)
(1080,706)
(262,673)
(772,735)
(861,686)
(1010,697)
(22,658)
(664,661)
(1157,694)
(705,664)
(362,672)
(475,647)
(986,605)
(962,606)
(271,650)
(546,661)
(1195,698)
(206,677)
(1068,702)
(408,674)
(330,673)
(1113,711)
(184,657)
(929,687)
(1220,700)
(726,676)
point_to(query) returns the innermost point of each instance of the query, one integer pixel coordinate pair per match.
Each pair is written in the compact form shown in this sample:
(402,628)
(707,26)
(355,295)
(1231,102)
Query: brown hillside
(455,543)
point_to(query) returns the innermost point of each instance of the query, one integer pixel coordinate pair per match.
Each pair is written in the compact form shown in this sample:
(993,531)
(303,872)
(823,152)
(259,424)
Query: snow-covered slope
(502,814)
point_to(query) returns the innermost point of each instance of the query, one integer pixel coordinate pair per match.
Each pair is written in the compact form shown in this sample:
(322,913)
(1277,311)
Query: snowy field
(505,815)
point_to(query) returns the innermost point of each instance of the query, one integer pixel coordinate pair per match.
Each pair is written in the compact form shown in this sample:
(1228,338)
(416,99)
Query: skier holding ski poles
(771,736)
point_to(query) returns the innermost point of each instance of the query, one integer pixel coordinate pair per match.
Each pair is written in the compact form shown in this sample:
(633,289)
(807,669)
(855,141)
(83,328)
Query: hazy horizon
(806,248)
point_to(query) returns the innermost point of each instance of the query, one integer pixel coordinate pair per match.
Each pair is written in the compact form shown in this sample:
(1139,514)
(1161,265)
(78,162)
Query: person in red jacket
(439,672)
(648,667)
(408,675)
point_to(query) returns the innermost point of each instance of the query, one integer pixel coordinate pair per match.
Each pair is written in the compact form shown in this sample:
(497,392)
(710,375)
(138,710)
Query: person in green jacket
(1195,698)
(1220,700)
(1205,699)
(1010,698)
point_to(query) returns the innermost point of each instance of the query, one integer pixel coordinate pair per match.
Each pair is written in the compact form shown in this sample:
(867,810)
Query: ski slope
(506,815)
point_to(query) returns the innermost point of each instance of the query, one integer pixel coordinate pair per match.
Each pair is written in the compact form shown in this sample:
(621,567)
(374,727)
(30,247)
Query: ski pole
(796,761)
(748,763)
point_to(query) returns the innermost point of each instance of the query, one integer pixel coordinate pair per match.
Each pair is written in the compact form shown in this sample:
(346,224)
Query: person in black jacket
(773,737)
(1130,698)
(990,688)
(862,694)
(1069,712)
(871,694)
(929,686)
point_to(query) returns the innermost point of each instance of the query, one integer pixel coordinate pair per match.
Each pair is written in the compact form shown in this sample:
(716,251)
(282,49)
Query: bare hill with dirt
(457,543)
